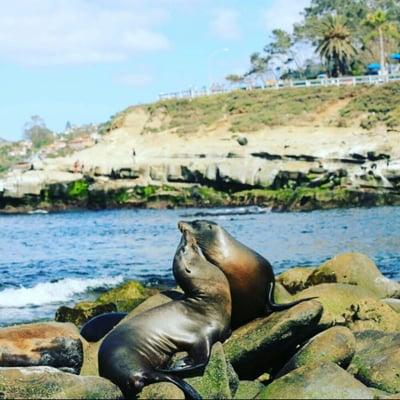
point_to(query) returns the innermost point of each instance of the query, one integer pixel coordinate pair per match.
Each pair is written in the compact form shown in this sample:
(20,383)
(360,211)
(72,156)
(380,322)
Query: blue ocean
(61,258)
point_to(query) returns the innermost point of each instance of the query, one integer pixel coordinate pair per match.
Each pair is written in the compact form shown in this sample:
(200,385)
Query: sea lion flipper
(97,327)
(190,392)
(271,306)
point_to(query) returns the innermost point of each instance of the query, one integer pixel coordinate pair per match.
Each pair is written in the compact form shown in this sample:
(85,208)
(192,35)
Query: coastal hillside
(289,149)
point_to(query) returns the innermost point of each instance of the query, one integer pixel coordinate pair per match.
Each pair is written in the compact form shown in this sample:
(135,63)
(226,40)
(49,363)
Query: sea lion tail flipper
(97,327)
(190,392)
(272,306)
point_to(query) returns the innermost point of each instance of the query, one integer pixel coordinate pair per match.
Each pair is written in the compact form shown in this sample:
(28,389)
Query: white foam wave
(52,292)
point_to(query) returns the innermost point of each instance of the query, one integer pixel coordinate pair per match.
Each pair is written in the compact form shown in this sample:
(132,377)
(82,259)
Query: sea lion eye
(209,226)
(188,270)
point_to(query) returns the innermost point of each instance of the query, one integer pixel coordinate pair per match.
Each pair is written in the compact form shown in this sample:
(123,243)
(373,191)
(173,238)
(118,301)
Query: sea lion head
(193,273)
(212,239)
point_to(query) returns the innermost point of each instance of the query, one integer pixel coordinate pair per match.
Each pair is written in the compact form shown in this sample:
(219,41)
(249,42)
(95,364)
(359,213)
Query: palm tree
(335,44)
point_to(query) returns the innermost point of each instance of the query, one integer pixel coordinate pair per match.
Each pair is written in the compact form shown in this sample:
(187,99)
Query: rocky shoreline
(344,344)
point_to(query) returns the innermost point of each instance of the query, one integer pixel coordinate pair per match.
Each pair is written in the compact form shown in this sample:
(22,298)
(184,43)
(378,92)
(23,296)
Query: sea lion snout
(183,226)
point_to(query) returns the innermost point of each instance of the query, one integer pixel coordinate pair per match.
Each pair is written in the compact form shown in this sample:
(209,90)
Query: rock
(262,343)
(354,269)
(82,312)
(281,295)
(352,306)
(155,301)
(161,391)
(325,381)
(294,279)
(51,344)
(126,296)
(90,365)
(50,383)
(336,345)
(378,364)
(248,389)
(393,303)
(219,380)
(242,140)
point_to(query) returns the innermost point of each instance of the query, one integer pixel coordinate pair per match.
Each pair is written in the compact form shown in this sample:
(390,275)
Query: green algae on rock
(295,279)
(323,381)
(50,383)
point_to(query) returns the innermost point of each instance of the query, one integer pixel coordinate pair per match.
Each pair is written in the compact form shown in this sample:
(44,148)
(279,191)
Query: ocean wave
(52,292)
(251,210)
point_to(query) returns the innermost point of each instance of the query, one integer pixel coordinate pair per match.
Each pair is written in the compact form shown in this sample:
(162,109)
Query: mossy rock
(262,343)
(248,390)
(219,380)
(295,279)
(352,306)
(336,345)
(50,383)
(354,269)
(323,381)
(377,363)
(83,312)
(161,391)
(126,296)
(281,295)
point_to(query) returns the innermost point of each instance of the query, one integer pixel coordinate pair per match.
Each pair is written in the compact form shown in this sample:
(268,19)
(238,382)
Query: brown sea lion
(250,275)
(137,351)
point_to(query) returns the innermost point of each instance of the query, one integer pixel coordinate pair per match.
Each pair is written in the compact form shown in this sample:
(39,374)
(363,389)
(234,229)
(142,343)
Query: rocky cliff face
(286,167)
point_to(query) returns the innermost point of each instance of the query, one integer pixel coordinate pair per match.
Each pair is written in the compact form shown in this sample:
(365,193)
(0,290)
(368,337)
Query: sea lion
(250,275)
(137,351)
(98,326)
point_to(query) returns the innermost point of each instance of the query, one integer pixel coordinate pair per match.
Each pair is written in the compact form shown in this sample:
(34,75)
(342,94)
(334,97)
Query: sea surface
(56,259)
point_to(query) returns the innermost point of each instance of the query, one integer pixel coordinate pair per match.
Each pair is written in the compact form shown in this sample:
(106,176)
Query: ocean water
(55,259)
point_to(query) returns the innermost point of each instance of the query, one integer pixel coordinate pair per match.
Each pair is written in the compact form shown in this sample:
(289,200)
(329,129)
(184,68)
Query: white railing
(280,84)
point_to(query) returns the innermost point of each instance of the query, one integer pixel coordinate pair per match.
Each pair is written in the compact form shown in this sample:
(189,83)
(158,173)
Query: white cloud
(48,32)
(225,24)
(134,79)
(283,13)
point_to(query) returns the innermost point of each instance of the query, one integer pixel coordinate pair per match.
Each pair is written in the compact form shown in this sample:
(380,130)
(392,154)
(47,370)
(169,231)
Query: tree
(36,131)
(383,29)
(335,44)
(259,67)
(235,79)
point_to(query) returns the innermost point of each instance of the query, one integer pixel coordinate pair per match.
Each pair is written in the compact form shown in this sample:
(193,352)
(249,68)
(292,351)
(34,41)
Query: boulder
(82,312)
(281,295)
(295,279)
(219,380)
(262,343)
(324,381)
(248,390)
(354,269)
(352,306)
(393,303)
(336,345)
(50,344)
(126,296)
(50,383)
(378,365)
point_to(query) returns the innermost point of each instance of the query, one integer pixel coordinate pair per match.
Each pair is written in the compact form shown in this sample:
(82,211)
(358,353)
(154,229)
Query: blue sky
(84,60)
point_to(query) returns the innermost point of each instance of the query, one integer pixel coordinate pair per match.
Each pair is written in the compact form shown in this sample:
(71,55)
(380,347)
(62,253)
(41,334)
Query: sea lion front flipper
(190,392)
(271,306)
(97,327)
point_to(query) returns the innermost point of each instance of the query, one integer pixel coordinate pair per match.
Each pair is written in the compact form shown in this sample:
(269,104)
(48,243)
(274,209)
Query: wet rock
(325,381)
(378,364)
(82,312)
(261,344)
(219,380)
(352,306)
(126,296)
(248,390)
(50,383)
(295,279)
(354,269)
(49,344)
(336,345)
